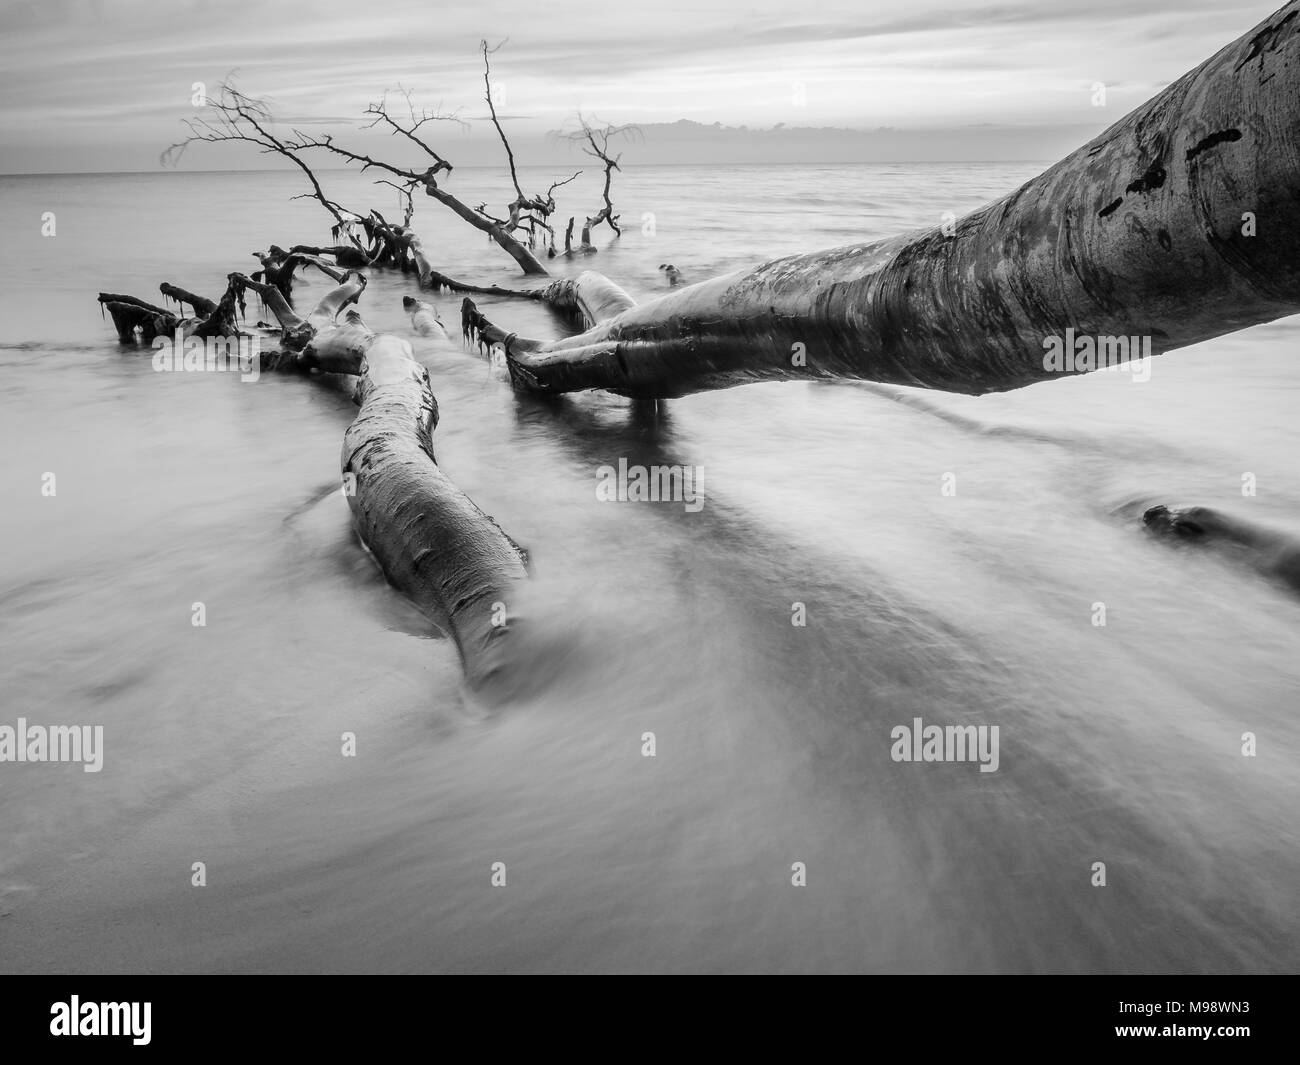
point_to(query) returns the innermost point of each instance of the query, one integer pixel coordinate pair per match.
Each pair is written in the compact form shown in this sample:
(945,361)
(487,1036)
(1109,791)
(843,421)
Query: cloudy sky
(89,85)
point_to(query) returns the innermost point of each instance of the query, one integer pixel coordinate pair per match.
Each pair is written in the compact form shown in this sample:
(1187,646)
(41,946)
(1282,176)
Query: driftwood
(344,255)
(595,142)
(130,314)
(1179,223)
(234,117)
(432,542)
(439,281)
(201,304)
(586,300)
(1274,553)
(219,318)
(278,267)
(430,539)
(424,317)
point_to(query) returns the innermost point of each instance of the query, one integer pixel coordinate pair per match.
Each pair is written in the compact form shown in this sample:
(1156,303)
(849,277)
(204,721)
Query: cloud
(70,68)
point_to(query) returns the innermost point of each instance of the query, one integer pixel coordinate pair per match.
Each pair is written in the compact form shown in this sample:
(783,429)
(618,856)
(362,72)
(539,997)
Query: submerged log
(212,318)
(117,297)
(129,314)
(424,317)
(1272,552)
(1178,224)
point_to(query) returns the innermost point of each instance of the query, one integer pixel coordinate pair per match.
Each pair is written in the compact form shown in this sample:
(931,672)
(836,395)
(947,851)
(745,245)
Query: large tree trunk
(430,539)
(1179,223)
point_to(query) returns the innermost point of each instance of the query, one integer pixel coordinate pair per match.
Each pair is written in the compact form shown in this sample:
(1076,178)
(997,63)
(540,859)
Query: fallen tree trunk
(429,538)
(212,318)
(129,314)
(1178,224)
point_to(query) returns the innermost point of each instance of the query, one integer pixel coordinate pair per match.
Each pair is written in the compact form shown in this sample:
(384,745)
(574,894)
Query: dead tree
(1179,223)
(595,143)
(278,267)
(499,230)
(130,314)
(430,539)
(529,213)
(450,557)
(236,117)
(212,318)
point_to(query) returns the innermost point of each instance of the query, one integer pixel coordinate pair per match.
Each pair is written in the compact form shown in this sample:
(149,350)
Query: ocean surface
(1119,743)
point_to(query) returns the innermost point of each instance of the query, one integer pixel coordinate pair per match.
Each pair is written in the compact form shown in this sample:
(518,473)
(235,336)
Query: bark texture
(432,542)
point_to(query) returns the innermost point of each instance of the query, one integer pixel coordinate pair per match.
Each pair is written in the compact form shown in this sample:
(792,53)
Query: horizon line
(524,166)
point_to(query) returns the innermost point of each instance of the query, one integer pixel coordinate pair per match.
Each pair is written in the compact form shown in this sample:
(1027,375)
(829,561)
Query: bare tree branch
(237,117)
(405,191)
(382,117)
(595,140)
(487,85)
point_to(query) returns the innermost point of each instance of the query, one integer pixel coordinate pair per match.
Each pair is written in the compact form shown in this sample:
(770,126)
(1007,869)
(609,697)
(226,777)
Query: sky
(104,85)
